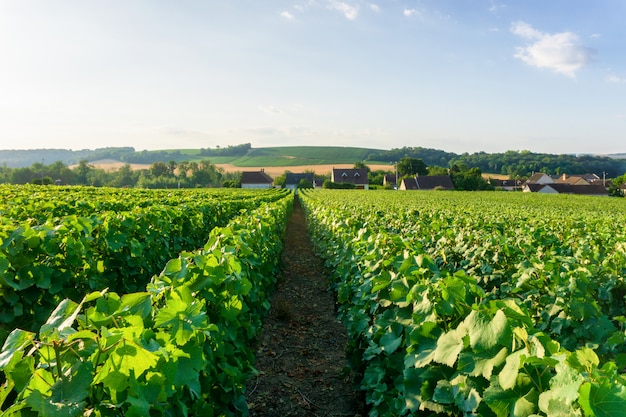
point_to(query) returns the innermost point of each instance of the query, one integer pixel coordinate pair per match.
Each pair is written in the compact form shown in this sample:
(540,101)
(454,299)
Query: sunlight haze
(462,76)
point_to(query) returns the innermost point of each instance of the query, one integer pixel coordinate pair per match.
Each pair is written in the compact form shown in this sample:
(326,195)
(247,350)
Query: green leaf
(602,400)
(74,387)
(136,303)
(449,345)
(518,402)
(182,313)
(15,342)
(560,399)
(61,318)
(127,357)
(47,407)
(508,375)
(392,340)
(485,333)
(481,363)
(584,360)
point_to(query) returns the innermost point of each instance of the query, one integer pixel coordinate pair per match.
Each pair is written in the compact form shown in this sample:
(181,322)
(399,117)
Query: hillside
(509,163)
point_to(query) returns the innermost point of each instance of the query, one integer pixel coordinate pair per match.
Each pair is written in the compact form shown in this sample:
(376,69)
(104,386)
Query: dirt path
(301,352)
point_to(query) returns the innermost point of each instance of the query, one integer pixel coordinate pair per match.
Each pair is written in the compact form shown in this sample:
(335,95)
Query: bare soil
(301,351)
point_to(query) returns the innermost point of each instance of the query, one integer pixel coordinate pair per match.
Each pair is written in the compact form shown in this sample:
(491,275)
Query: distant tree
(469,179)
(361,165)
(158,169)
(304,183)
(82,171)
(412,167)
(377,177)
(125,177)
(280,180)
(437,170)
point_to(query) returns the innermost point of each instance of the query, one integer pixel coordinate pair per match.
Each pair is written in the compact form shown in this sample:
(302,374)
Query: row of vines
(131,302)
(466,304)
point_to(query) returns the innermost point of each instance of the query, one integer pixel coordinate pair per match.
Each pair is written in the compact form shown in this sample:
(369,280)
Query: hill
(510,163)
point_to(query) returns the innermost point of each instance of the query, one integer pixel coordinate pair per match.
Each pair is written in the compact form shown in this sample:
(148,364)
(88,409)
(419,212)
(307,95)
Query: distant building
(293,180)
(427,182)
(389,179)
(560,188)
(540,178)
(256,179)
(356,176)
(506,185)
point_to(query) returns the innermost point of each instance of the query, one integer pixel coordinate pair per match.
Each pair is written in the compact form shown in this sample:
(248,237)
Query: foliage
(181,347)
(409,167)
(65,242)
(468,179)
(338,185)
(490,304)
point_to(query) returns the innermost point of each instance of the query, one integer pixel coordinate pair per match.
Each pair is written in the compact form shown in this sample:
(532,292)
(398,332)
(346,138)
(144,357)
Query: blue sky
(458,75)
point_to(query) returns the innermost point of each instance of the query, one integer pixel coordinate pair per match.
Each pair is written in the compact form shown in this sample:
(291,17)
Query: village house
(356,176)
(506,185)
(540,178)
(389,180)
(256,179)
(560,188)
(292,181)
(428,182)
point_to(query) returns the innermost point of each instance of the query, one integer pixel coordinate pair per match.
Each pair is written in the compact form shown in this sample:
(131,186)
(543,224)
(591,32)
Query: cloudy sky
(457,75)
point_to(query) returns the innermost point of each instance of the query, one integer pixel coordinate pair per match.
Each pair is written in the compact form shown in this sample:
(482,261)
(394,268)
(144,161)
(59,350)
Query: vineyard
(131,302)
(149,302)
(490,304)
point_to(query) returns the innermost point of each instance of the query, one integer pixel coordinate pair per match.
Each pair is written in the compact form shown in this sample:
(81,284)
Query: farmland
(479,304)
(142,291)
(149,302)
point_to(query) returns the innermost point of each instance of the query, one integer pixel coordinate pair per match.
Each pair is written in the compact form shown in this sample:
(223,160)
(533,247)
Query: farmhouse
(389,179)
(506,185)
(540,178)
(256,179)
(560,188)
(428,182)
(356,176)
(293,180)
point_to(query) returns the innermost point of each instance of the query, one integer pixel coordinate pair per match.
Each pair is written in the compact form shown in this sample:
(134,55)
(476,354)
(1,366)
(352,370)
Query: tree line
(514,164)
(170,174)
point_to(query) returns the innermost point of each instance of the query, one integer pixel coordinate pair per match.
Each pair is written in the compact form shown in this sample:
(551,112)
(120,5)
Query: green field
(293,156)
(479,304)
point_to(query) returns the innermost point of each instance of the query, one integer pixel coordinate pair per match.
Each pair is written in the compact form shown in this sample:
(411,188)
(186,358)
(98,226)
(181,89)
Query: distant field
(293,156)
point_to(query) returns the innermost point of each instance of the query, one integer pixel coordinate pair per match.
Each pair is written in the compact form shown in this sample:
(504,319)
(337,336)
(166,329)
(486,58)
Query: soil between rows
(301,351)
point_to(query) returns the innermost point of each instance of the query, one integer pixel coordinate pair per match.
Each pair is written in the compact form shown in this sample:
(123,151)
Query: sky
(457,75)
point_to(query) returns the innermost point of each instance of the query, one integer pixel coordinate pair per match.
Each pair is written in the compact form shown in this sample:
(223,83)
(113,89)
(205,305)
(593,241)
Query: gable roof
(409,184)
(540,177)
(594,189)
(572,180)
(430,182)
(356,176)
(389,179)
(255,177)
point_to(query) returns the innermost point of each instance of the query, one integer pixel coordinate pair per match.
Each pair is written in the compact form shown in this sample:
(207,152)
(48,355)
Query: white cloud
(615,79)
(560,52)
(287,15)
(595,36)
(374,7)
(349,11)
(494,7)
(412,12)
(271,109)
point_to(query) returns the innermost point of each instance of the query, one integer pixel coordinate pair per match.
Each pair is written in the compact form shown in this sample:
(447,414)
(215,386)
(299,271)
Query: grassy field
(292,156)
